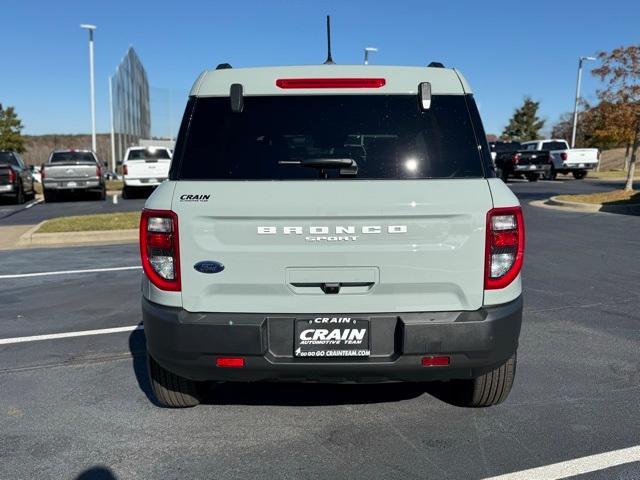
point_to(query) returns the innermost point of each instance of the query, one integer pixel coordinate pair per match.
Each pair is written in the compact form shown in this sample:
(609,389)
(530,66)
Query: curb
(569,206)
(30,238)
(579,206)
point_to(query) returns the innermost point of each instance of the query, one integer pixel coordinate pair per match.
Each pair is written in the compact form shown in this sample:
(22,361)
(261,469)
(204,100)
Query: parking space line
(578,466)
(70,272)
(82,333)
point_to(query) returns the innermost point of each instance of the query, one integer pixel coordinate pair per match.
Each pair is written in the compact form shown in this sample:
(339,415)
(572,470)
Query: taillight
(12,175)
(564,156)
(42,173)
(125,170)
(504,250)
(98,171)
(330,82)
(159,248)
(516,158)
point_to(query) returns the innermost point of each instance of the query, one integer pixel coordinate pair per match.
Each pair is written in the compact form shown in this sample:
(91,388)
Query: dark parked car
(511,160)
(16,179)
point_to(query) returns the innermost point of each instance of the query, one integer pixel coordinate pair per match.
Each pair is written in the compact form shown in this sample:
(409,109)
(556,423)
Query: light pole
(367,51)
(90,29)
(575,108)
(111,125)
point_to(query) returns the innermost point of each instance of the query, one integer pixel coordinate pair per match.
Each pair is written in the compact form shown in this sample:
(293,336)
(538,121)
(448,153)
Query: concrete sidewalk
(10,235)
(24,236)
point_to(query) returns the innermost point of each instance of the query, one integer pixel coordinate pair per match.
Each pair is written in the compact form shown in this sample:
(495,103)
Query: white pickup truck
(144,167)
(578,161)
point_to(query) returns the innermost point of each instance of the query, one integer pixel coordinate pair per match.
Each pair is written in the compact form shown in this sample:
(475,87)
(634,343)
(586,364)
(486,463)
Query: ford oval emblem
(209,266)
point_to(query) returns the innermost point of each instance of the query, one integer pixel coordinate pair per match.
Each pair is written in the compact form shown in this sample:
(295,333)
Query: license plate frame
(332,337)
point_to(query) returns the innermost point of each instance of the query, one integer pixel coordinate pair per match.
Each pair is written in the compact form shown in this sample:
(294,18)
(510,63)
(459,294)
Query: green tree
(620,72)
(10,130)
(524,124)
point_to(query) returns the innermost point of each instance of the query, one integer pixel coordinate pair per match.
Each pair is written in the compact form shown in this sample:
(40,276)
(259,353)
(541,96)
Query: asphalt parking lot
(80,407)
(35,212)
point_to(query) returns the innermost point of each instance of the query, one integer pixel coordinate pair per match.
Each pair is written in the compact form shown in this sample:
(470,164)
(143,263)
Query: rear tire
(551,173)
(486,390)
(532,177)
(49,197)
(19,197)
(579,175)
(171,390)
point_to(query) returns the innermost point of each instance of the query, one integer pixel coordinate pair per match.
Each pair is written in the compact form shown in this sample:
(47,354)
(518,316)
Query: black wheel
(172,390)
(486,390)
(532,177)
(579,175)
(20,197)
(551,173)
(49,196)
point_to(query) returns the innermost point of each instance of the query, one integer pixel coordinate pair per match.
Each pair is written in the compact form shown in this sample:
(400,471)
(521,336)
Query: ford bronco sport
(332,224)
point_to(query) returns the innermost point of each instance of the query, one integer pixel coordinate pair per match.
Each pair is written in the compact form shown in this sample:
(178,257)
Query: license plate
(5,188)
(532,167)
(331,337)
(581,165)
(153,180)
(72,184)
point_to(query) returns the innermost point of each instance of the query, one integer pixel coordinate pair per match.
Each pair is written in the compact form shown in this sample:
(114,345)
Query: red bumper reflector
(505,239)
(330,82)
(230,362)
(435,361)
(159,240)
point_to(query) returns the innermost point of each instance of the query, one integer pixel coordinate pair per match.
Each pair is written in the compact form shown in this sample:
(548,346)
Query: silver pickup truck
(72,171)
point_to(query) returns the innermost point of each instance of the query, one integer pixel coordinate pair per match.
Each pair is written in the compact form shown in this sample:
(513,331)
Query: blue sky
(505,49)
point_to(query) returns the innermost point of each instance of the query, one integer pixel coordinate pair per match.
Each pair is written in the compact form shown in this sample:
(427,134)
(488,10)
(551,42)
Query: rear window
(78,157)
(149,154)
(505,146)
(387,136)
(7,158)
(554,146)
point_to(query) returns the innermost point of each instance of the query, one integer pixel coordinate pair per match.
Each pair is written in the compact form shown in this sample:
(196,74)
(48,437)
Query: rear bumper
(189,343)
(576,166)
(528,169)
(143,182)
(80,185)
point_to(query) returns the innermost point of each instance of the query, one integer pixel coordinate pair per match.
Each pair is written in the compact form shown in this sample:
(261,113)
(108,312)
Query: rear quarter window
(388,136)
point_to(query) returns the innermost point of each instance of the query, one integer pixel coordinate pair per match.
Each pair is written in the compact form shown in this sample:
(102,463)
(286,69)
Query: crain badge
(194,198)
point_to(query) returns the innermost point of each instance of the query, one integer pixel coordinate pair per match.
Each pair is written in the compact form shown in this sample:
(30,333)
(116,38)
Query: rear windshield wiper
(347,166)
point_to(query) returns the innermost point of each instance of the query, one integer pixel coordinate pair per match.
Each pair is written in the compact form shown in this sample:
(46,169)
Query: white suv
(144,167)
(336,224)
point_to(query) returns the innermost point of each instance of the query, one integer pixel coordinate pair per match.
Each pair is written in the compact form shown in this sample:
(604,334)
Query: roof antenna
(329,60)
